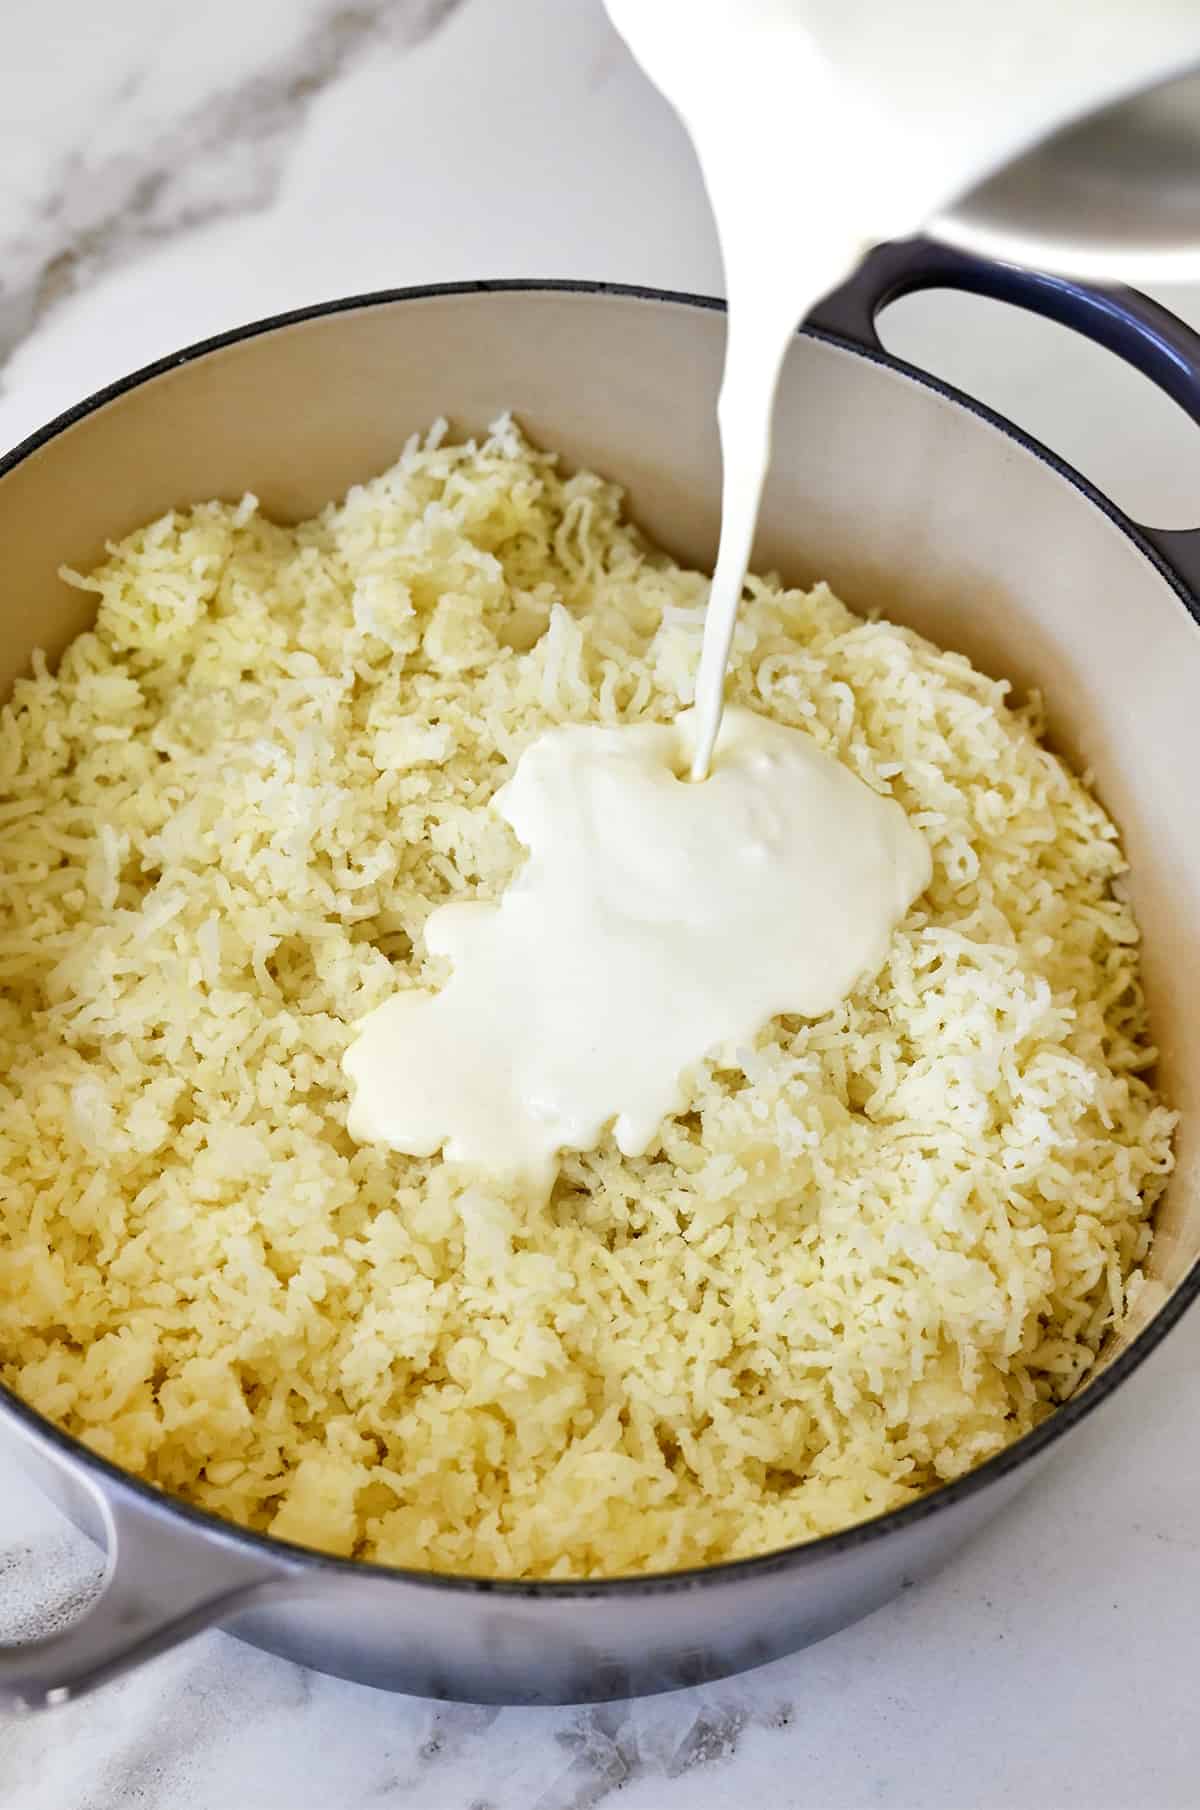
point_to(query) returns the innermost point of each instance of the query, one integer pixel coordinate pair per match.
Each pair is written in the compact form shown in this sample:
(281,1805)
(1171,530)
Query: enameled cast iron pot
(905,496)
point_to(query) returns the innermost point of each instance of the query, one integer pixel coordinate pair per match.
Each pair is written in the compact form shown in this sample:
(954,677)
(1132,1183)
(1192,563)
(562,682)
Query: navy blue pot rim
(785,1559)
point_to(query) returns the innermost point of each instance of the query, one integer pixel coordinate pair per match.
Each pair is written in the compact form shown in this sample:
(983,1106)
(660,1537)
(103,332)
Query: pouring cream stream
(822,126)
(656,919)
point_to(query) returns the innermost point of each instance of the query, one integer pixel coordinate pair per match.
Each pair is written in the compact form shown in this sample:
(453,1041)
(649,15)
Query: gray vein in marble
(223,154)
(171,1747)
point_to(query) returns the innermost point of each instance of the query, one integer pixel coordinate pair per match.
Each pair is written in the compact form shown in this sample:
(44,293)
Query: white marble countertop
(170,170)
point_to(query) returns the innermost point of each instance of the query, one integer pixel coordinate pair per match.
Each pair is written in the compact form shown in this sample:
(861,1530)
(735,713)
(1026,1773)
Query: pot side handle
(1140,331)
(159,1589)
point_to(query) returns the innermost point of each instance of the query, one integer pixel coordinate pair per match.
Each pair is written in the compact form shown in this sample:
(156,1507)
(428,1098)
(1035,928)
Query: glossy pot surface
(907,498)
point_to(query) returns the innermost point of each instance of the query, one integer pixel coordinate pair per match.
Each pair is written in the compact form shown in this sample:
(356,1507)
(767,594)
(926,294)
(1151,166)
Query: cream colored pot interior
(902,499)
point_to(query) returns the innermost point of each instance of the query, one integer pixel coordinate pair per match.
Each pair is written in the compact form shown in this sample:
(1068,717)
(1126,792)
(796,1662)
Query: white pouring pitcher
(1067,131)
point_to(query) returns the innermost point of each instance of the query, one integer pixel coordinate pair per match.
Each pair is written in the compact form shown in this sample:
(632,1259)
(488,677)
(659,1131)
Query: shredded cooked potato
(877,1246)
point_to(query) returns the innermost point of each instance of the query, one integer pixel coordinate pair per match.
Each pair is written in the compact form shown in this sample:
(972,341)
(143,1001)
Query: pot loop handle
(158,1590)
(1140,331)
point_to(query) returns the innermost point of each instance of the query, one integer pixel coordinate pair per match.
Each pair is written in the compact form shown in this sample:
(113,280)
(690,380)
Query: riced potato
(875,1248)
